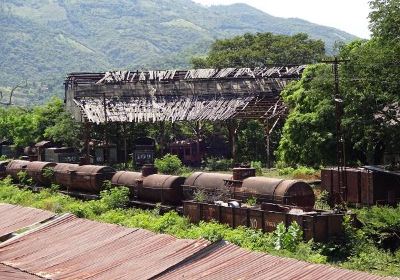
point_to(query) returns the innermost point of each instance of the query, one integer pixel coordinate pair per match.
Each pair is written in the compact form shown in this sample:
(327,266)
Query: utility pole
(340,143)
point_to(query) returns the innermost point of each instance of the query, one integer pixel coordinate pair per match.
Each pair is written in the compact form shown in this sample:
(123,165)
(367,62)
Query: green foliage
(115,198)
(199,196)
(308,137)
(385,19)
(257,165)
(215,164)
(48,173)
(322,201)
(251,201)
(23,178)
(50,121)
(381,223)
(261,49)
(287,239)
(169,164)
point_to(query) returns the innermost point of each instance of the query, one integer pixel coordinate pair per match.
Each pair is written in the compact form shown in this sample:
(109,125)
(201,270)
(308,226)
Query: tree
(385,20)
(308,134)
(254,50)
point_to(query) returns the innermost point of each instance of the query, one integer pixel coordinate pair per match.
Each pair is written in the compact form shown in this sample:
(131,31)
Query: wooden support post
(87,142)
(106,148)
(125,146)
(267,137)
(233,126)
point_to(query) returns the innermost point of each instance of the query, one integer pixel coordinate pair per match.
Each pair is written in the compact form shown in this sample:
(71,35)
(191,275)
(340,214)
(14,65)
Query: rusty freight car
(369,185)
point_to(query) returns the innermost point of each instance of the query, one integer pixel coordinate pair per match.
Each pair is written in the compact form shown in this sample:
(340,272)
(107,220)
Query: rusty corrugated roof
(227,261)
(9,273)
(13,217)
(72,248)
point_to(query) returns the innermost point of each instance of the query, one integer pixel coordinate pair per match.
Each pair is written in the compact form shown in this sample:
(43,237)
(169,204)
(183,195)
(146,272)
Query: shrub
(287,239)
(251,201)
(23,178)
(169,164)
(48,173)
(257,165)
(215,164)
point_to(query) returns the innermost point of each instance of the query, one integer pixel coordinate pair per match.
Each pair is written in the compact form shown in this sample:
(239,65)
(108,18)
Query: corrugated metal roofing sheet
(15,217)
(227,261)
(9,273)
(72,248)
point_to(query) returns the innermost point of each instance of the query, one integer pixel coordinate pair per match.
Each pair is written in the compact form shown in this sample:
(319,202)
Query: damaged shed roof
(14,218)
(172,95)
(73,248)
(67,247)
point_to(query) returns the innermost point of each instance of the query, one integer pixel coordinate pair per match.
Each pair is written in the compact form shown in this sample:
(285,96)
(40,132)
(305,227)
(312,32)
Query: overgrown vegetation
(360,249)
(169,164)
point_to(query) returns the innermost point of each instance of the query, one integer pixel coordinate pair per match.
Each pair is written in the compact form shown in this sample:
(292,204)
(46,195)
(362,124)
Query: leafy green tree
(253,50)
(308,137)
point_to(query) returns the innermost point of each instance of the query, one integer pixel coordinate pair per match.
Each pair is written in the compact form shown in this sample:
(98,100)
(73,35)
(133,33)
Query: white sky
(347,15)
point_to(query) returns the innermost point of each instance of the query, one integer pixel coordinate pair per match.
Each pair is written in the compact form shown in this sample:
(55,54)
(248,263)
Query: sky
(347,15)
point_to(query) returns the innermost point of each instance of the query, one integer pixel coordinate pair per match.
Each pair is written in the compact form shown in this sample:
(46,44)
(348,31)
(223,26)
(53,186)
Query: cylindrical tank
(3,167)
(291,192)
(211,183)
(16,166)
(37,171)
(127,179)
(166,189)
(85,178)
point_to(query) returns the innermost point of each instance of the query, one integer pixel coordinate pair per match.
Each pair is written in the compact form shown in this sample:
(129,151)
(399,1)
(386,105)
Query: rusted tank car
(290,192)
(16,166)
(41,172)
(3,167)
(210,183)
(85,178)
(362,186)
(129,179)
(166,189)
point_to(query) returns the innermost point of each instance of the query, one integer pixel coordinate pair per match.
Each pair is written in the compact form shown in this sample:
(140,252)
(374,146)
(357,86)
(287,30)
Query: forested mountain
(42,40)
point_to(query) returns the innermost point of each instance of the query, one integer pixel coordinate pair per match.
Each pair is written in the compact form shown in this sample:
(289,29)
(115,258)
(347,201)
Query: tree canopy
(254,50)
(370,89)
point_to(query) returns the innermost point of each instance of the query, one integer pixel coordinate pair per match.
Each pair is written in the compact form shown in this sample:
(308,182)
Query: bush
(215,164)
(257,165)
(287,239)
(169,164)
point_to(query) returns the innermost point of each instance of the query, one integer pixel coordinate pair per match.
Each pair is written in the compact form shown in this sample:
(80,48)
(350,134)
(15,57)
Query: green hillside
(42,40)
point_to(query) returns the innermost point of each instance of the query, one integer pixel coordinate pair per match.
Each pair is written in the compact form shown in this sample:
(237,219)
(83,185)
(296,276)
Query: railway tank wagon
(151,187)
(210,183)
(84,178)
(289,192)
(166,189)
(129,179)
(37,171)
(16,166)
(3,168)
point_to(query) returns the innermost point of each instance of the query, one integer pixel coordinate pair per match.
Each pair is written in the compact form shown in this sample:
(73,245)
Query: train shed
(175,95)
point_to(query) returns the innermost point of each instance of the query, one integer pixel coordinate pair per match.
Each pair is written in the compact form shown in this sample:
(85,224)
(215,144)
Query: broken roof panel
(227,261)
(14,218)
(72,248)
(172,95)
